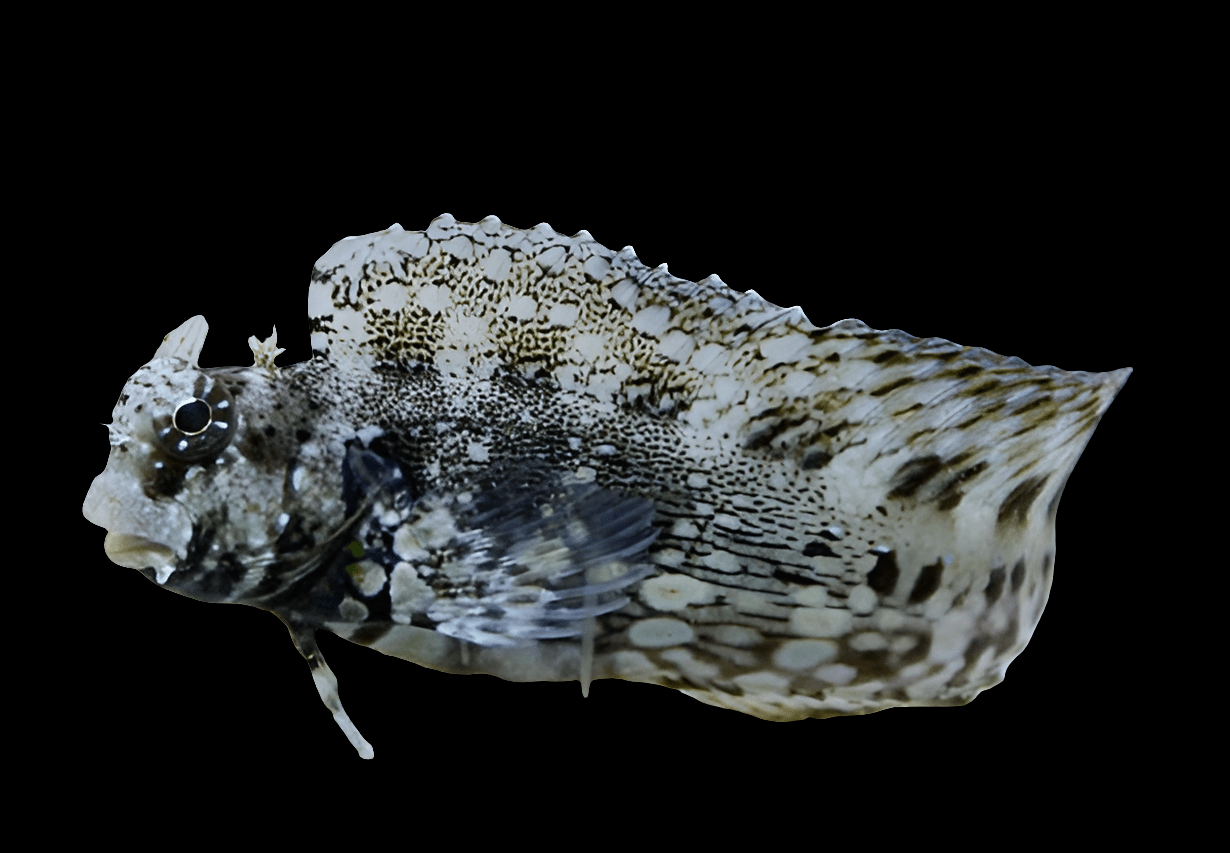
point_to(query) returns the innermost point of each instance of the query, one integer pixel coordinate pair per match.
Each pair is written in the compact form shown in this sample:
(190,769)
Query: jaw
(137,552)
(140,533)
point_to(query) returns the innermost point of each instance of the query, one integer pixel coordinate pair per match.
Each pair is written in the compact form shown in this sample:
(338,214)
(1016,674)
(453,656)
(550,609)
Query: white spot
(433,298)
(951,635)
(588,348)
(460,247)
(283,520)
(868,641)
(659,633)
(804,654)
(676,345)
(605,450)
(755,603)
(624,293)
(574,443)
(296,478)
(836,673)
(889,619)
(351,610)
(737,636)
(523,307)
(585,474)
(684,528)
(675,592)
(391,297)
(703,359)
(478,452)
(820,621)
(596,266)
(369,576)
(368,434)
(903,644)
(408,594)
(671,558)
(698,481)
(497,264)
(562,314)
(785,349)
(764,682)
(407,546)
(862,600)
(722,561)
(810,596)
(696,671)
(631,664)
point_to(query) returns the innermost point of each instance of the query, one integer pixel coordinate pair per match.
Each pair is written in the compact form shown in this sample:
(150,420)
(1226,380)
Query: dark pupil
(192,417)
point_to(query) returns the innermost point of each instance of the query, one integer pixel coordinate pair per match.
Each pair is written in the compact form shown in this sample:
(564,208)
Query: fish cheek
(165,479)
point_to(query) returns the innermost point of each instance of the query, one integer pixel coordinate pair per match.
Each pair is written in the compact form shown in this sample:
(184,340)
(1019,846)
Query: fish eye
(200,425)
(192,417)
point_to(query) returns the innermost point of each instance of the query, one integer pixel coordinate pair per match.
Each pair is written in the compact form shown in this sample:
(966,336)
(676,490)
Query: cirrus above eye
(197,426)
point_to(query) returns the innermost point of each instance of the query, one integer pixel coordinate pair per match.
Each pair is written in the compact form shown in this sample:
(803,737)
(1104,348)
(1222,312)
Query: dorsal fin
(921,415)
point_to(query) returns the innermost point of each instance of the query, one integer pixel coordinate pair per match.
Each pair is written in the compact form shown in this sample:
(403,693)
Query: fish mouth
(137,552)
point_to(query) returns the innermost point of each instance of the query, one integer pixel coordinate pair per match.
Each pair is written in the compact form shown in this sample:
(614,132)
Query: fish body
(519,453)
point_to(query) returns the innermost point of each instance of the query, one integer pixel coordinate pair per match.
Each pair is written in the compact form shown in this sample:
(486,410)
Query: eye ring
(200,425)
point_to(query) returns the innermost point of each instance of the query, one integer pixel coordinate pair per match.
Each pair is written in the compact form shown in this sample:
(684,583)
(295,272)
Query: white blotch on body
(659,633)
(836,673)
(351,610)
(675,592)
(804,654)
(862,600)
(820,621)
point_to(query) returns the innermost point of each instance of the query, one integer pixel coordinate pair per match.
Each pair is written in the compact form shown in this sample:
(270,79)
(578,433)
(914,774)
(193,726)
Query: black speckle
(302,435)
(1015,507)
(950,495)
(829,535)
(912,475)
(270,431)
(927,583)
(813,549)
(892,386)
(883,578)
(1018,576)
(792,577)
(294,537)
(983,388)
(995,586)
(816,459)
(881,510)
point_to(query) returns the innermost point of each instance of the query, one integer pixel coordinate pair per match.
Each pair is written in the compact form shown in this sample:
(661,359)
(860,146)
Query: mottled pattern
(521,453)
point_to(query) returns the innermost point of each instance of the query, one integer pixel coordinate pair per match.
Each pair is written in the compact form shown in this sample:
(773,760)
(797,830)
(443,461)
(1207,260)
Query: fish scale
(524,454)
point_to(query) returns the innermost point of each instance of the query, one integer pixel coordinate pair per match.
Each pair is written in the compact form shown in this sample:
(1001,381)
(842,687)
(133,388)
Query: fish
(523,454)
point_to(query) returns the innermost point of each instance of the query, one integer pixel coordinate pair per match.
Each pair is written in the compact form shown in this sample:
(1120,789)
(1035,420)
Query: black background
(996,258)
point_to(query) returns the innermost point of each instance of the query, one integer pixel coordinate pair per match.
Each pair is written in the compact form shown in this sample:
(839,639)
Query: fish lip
(134,551)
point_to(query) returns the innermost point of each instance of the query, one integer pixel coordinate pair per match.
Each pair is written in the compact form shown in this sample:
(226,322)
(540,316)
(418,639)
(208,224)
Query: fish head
(207,490)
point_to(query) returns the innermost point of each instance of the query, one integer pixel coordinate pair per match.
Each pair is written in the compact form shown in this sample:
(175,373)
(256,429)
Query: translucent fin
(326,685)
